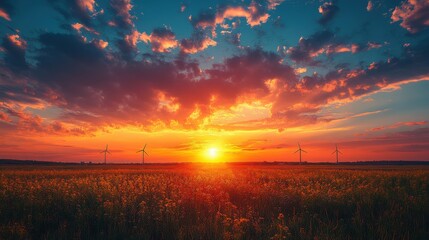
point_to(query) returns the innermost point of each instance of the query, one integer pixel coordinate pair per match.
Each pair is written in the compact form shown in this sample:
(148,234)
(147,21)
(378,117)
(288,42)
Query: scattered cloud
(323,42)
(272,4)
(328,11)
(300,70)
(21,121)
(413,14)
(256,13)
(183,7)
(121,10)
(6,9)
(369,6)
(100,43)
(415,140)
(134,37)
(399,124)
(308,48)
(17,41)
(81,10)
(198,42)
(161,39)
(14,48)
(87,5)
(79,26)
(4,14)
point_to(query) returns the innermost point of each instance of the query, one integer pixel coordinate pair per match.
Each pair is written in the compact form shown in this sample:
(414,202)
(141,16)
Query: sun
(212,153)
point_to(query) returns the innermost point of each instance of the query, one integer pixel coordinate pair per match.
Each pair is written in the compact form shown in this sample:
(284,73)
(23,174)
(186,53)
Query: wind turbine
(337,151)
(143,152)
(300,150)
(105,151)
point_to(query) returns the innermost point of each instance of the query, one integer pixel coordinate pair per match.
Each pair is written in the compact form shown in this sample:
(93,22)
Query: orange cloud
(232,12)
(87,4)
(122,10)
(132,38)
(339,49)
(4,117)
(100,43)
(400,124)
(163,43)
(414,15)
(79,26)
(372,45)
(4,14)
(26,122)
(251,14)
(342,48)
(272,4)
(189,46)
(328,11)
(255,15)
(370,6)
(17,41)
(300,70)
(161,39)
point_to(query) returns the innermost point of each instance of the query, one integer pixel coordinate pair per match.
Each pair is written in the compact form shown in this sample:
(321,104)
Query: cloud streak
(6,9)
(323,42)
(399,124)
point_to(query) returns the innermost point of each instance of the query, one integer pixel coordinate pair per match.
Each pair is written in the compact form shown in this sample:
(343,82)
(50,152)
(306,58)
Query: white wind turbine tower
(143,153)
(337,151)
(105,151)
(300,150)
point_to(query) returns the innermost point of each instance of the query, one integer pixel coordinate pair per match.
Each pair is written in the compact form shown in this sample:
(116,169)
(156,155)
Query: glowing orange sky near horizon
(168,145)
(359,136)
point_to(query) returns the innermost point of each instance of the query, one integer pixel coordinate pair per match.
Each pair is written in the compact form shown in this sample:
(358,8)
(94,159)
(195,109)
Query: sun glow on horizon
(213,153)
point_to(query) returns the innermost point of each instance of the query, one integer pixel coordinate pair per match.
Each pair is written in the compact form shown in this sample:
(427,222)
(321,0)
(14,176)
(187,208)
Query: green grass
(214,202)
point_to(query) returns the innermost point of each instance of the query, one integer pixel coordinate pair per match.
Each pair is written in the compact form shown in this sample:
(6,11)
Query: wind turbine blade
(102,151)
(304,151)
(297,151)
(108,152)
(340,152)
(146,153)
(144,146)
(333,152)
(139,151)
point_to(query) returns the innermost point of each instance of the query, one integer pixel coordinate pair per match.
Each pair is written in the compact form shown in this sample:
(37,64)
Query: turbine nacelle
(105,151)
(336,152)
(143,151)
(300,150)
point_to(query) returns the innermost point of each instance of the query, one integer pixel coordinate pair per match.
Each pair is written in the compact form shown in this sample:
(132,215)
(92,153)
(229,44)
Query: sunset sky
(214,80)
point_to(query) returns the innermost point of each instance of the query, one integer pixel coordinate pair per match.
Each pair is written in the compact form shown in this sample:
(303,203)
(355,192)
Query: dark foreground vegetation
(222,201)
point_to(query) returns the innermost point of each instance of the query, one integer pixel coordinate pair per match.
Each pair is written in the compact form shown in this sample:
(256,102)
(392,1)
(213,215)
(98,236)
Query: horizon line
(385,161)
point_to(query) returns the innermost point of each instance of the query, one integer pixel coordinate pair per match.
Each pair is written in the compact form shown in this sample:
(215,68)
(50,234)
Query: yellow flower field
(214,201)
